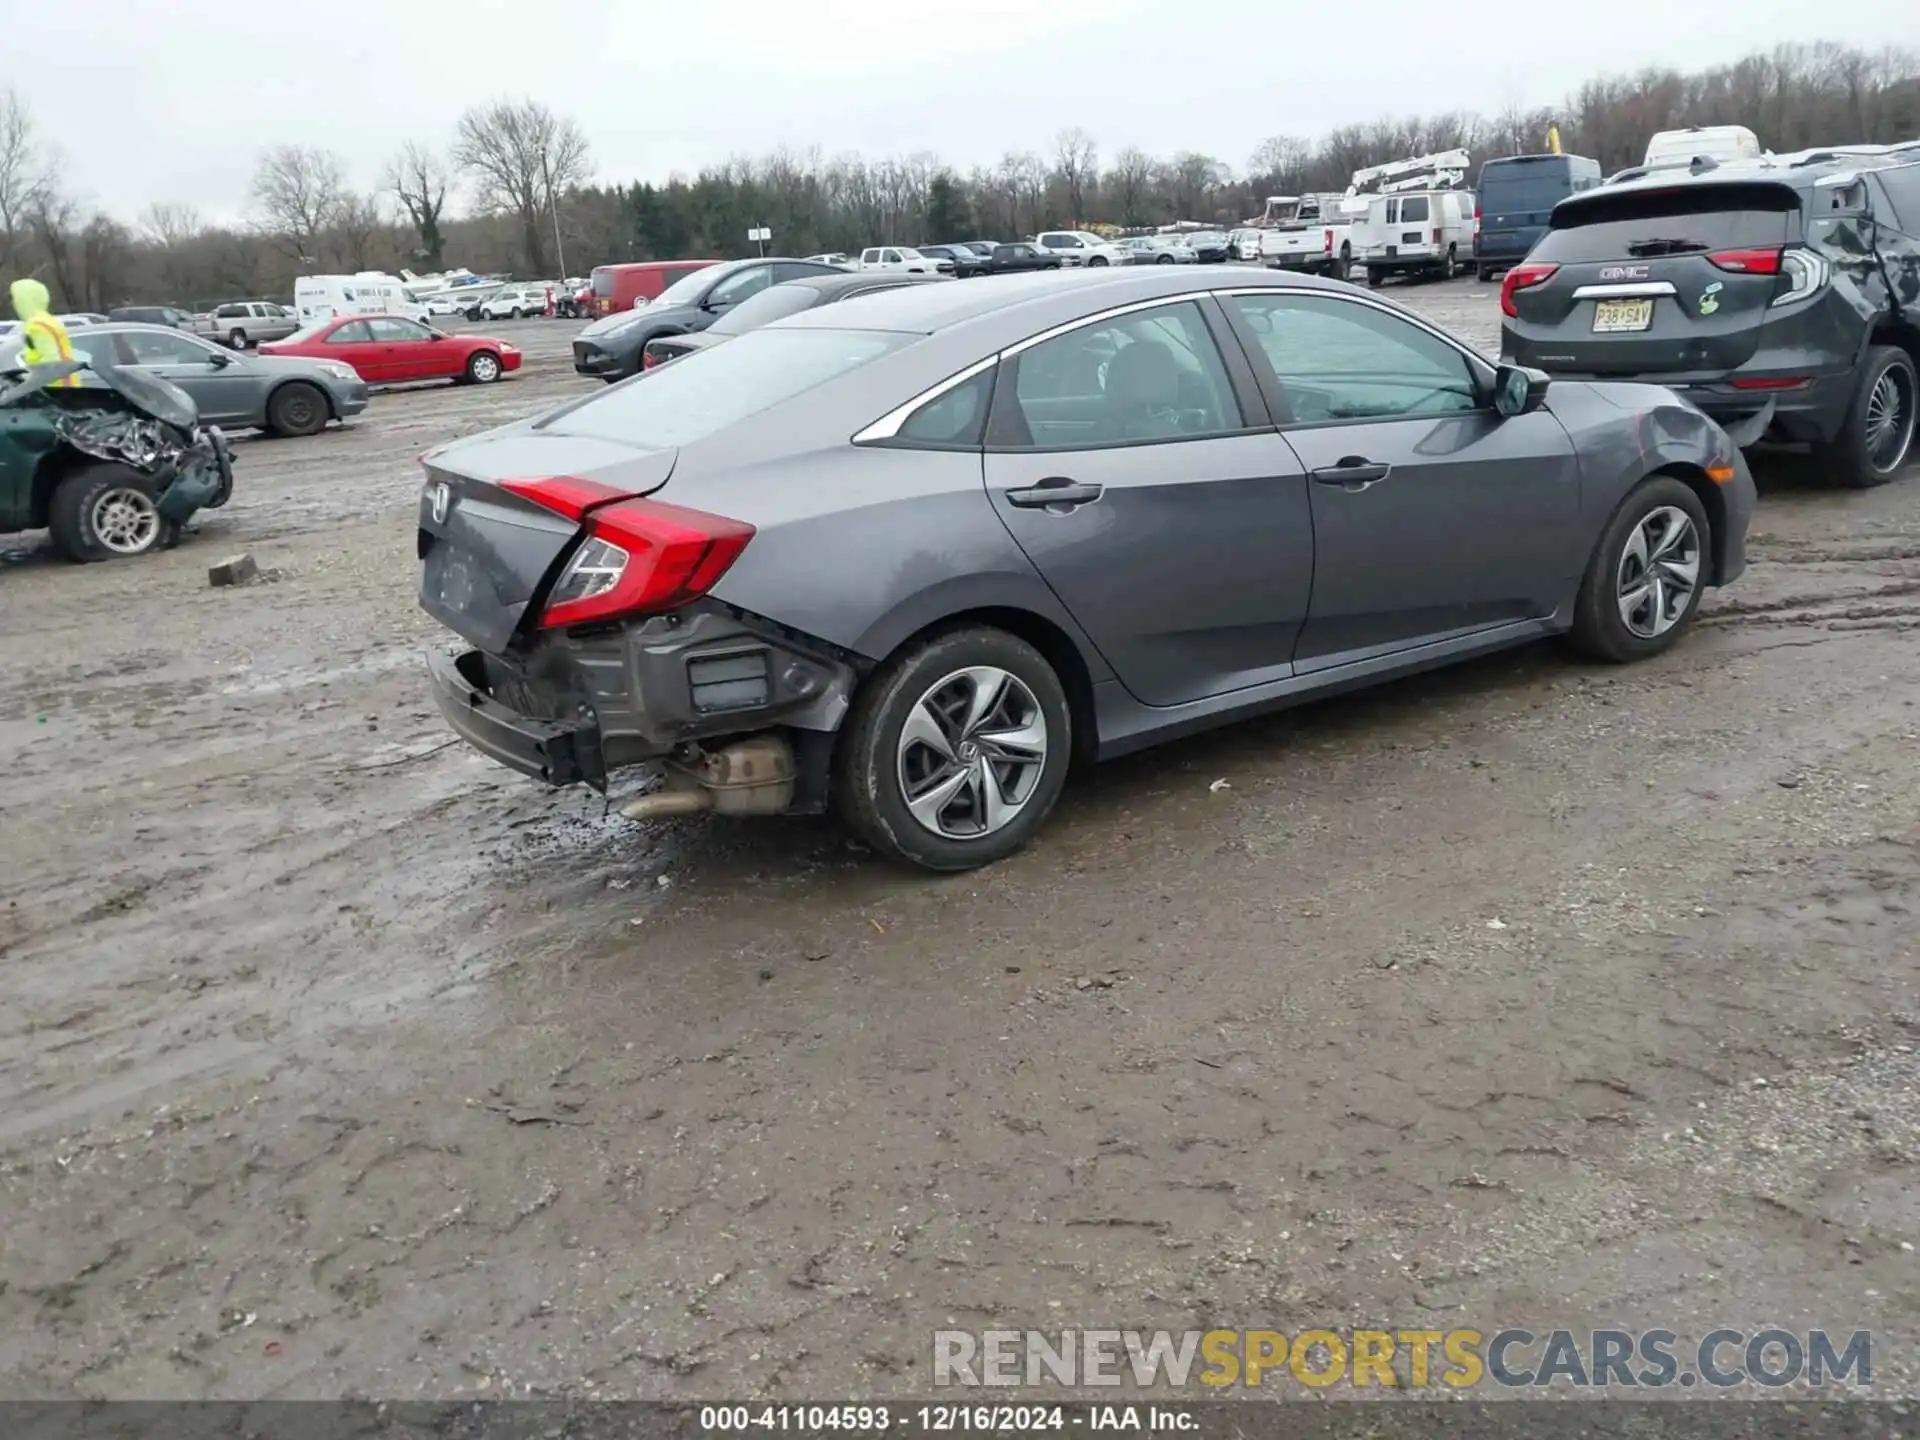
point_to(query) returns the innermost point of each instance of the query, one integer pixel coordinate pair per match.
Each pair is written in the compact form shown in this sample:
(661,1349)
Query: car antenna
(1703,163)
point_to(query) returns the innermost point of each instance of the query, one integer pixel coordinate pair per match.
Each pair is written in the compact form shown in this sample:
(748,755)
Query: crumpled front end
(139,421)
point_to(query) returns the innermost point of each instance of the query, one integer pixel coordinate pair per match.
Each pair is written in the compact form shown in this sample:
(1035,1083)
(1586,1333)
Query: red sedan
(390,349)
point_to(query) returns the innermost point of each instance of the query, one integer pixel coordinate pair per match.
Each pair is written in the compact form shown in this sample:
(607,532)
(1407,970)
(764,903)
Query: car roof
(830,285)
(928,309)
(1800,169)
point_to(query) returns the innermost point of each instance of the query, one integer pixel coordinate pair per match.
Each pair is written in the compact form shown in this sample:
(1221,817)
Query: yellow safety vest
(45,341)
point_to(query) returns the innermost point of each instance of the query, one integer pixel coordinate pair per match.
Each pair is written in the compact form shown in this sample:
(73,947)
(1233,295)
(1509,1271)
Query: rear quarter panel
(863,547)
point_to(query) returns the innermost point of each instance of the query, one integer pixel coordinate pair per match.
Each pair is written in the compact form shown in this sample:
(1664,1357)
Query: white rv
(1718,143)
(326,297)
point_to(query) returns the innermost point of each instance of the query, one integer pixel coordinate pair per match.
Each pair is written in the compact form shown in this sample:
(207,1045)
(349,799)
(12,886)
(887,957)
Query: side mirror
(1518,390)
(219,359)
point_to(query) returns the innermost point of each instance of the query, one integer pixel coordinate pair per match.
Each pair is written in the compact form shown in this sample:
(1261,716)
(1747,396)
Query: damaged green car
(110,466)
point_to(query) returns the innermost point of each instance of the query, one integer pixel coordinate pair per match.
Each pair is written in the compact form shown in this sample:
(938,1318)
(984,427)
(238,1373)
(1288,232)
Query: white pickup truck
(1306,232)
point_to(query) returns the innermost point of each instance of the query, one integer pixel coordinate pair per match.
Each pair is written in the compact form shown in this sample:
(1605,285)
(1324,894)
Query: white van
(1420,232)
(1719,143)
(325,297)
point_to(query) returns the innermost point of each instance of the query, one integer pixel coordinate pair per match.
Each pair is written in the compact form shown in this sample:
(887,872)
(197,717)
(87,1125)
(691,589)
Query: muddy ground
(338,1060)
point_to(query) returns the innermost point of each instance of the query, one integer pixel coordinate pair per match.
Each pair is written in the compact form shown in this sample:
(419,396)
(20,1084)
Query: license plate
(1611,317)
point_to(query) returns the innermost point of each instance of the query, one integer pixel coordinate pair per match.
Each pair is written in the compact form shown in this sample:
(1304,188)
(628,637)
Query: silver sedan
(282,395)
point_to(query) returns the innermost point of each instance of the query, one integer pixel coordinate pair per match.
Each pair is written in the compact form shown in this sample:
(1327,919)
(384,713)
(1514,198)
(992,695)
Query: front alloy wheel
(1659,571)
(971,753)
(1647,573)
(125,521)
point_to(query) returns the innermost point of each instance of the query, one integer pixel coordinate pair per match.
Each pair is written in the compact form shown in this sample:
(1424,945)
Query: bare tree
(168,226)
(523,157)
(1077,162)
(297,192)
(1130,184)
(420,181)
(23,176)
(357,221)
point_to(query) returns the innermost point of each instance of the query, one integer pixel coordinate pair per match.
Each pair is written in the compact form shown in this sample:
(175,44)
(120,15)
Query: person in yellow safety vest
(44,339)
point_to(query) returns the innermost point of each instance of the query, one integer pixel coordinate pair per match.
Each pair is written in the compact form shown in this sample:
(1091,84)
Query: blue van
(1514,198)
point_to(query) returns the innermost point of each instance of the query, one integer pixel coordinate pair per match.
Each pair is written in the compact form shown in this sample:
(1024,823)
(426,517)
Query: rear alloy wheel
(1643,585)
(107,512)
(1876,440)
(955,751)
(1164,260)
(237,339)
(483,367)
(297,409)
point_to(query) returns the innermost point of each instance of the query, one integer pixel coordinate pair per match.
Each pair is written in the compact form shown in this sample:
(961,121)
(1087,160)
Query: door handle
(1054,490)
(1353,473)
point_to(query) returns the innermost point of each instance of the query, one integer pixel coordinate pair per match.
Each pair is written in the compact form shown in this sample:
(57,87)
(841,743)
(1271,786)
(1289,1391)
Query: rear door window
(1413,209)
(1682,220)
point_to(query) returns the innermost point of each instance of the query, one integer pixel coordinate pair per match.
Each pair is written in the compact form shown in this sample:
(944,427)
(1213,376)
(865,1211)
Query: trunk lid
(485,552)
(1637,292)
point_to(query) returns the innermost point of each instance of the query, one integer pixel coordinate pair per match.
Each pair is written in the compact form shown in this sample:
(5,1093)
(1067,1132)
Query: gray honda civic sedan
(910,556)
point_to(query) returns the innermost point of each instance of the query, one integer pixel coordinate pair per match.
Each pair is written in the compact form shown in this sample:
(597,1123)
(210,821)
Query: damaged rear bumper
(557,753)
(575,707)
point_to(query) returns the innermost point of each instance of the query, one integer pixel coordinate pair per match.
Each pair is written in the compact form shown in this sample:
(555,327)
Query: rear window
(706,392)
(1606,224)
(603,283)
(774,303)
(1413,209)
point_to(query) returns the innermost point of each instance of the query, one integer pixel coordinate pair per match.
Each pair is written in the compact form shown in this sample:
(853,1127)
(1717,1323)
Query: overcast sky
(173,102)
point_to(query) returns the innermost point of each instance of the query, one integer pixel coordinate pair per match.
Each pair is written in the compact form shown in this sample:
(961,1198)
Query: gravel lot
(339,1060)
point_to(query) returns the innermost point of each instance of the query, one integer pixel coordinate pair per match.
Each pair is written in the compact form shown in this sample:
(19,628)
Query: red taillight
(1476,214)
(566,495)
(648,359)
(1436,234)
(1329,244)
(1768,382)
(1747,262)
(1522,277)
(639,557)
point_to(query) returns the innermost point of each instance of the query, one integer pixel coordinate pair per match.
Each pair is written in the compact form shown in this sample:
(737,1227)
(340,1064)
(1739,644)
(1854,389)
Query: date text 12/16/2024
(940,1419)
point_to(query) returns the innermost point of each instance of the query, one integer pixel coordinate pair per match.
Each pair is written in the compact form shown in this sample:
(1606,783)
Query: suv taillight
(1800,272)
(1746,262)
(1522,277)
(639,557)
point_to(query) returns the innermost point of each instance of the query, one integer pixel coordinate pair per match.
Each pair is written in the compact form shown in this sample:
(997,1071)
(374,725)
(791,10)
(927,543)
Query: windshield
(776,302)
(689,287)
(1525,185)
(705,392)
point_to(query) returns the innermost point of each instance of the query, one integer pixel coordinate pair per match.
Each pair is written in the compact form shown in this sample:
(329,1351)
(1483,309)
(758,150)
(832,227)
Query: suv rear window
(712,389)
(1605,224)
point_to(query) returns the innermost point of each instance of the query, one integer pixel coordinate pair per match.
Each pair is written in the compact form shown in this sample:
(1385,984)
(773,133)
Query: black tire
(1163,260)
(1375,278)
(1852,460)
(298,408)
(516,314)
(236,339)
(1599,630)
(1483,273)
(87,497)
(1451,265)
(867,786)
(483,368)
(1343,267)
(1096,262)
